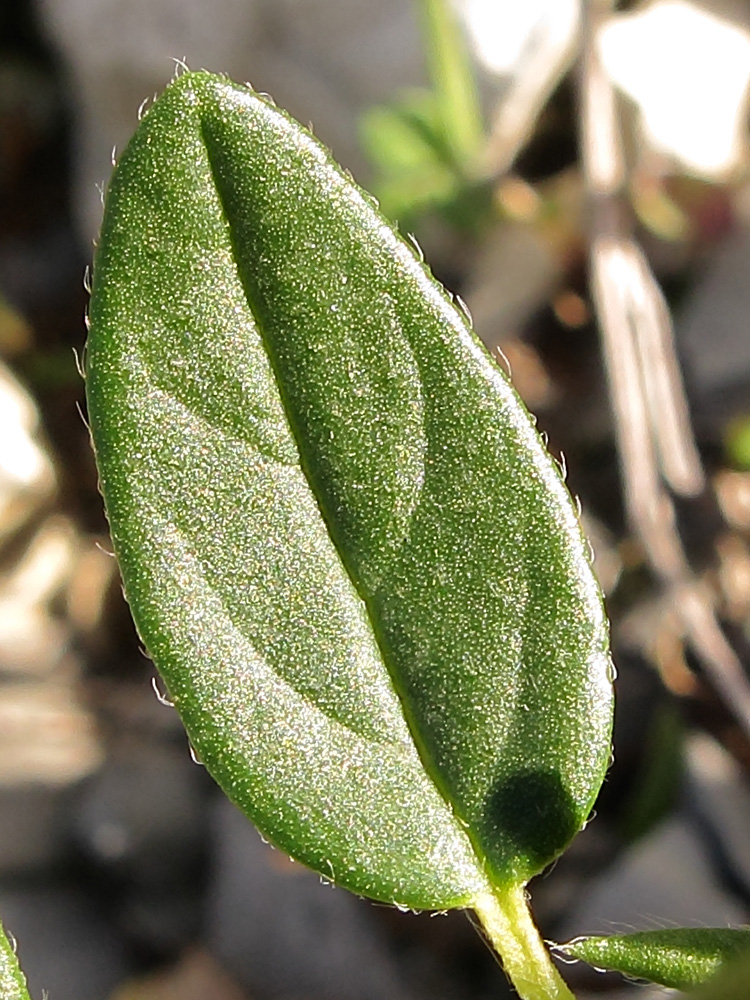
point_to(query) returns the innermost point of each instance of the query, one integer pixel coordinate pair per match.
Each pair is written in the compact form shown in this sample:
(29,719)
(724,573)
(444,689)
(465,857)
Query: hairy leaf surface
(679,957)
(12,980)
(342,540)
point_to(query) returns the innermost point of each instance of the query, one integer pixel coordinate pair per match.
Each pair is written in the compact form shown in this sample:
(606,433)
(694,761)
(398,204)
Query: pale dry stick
(644,498)
(669,415)
(601,144)
(636,338)
(548,54)
(612,278)
(719,660)
(604,166)
(649,506)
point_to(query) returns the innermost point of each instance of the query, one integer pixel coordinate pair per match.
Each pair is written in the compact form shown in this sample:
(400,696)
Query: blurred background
(578,173)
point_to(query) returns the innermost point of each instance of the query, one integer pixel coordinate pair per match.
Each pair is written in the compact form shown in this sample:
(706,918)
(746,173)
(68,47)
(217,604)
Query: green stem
(452,76)
(507,922)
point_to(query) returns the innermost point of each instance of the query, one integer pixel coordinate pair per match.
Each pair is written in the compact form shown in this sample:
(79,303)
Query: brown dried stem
(654,436)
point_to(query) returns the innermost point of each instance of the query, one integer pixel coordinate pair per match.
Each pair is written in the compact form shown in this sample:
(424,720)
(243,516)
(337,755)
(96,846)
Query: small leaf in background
(426,144)
(737,442)
(414,170)
(342,540)
(452,75)
(658,778)
(12,980)
(679,957)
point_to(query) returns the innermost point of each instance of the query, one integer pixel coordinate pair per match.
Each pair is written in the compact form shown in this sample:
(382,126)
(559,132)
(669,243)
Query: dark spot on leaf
(534,811)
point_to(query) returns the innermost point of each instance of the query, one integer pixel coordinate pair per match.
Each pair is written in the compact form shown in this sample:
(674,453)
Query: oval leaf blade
(678,957)
(342,540)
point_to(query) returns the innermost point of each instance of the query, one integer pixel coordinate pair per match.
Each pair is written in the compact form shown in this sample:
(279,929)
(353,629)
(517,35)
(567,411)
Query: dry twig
(654,437)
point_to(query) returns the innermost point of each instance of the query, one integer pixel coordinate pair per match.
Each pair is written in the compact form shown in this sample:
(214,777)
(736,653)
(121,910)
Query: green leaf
(342,540)
(729,983)
(737,441)
(12,980)
(679,957)
(452,77)
(415,170)
(405,136)
(658,778)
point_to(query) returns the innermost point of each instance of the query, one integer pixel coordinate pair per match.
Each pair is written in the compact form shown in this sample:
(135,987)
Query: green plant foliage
(12,980)
(680,957)
(659,777)
(737,442)
(342,540)
(415,169)
(458,114)
(729,983)
(426,144)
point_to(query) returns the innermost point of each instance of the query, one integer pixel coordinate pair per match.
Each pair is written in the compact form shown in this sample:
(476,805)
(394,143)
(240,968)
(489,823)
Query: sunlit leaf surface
(680,957)
(341,538)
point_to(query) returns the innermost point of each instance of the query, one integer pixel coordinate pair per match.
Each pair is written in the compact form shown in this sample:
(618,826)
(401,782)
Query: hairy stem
(507,922)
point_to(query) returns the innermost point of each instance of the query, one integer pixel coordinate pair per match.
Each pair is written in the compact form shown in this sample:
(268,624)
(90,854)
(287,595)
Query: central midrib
(459,822)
